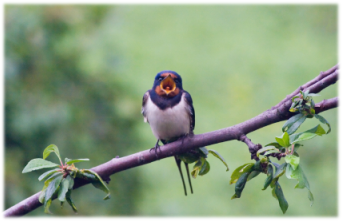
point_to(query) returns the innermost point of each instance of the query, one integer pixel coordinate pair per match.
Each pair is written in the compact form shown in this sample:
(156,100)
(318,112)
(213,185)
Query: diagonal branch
(237,132)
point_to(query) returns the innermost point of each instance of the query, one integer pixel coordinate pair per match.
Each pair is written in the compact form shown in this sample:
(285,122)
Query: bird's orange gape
(168,85)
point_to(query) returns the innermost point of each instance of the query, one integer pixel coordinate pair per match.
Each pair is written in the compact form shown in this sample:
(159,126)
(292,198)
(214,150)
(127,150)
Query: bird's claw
(155,148)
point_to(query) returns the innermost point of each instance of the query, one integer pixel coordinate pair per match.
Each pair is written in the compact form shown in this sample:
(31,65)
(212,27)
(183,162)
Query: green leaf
(64,187)
(283,140)
(71,182)
(98,183)
(205,168)
(280,169)
(299,175)
(239,171)
(269,176)
(240,185)
(313,95)
(48,173)
(294,98)
(52,188)
(275,144)
(69,200)
(37,164)
(271,151)
(305,94)
(49,149)
(293,161)
(69,161)
(47,206)
(280,196)
(324,121)
(307,135)
(188,157)
(217,155)
(196,168)
(252,175)
(264,149)
(204,150)
(294,123)
(311,198)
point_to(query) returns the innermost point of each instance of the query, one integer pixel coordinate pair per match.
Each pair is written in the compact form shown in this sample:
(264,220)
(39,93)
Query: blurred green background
(75,76)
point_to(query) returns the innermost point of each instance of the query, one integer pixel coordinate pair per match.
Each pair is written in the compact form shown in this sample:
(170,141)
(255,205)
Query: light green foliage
(61,181)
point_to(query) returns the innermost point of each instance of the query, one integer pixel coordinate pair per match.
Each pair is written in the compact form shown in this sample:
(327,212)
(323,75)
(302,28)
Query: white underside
(169,123)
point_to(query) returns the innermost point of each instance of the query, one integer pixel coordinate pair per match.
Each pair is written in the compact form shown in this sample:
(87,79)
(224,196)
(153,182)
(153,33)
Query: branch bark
(237,132)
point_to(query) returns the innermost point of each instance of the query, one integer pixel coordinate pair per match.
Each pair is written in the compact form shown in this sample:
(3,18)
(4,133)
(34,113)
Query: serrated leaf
(217,155)
(69,200)
(69,162)
(239,171)
(305,94)
(269,176)
(64,187)
(280,196)
(37,164)
(49,149)
(264,149)
(307,135)
(48,173)
(324,121)
(52,188)
(98,183)
(293,161)
(240,185)
(205,168)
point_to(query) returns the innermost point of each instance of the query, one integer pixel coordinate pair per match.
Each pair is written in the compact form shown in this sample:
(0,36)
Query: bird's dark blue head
(167,83)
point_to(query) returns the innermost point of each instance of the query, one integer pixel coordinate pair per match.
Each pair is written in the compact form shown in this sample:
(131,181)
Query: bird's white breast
(169,123)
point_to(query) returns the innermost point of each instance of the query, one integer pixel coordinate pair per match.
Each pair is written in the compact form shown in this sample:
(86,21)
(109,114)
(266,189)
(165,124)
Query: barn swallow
(169,111)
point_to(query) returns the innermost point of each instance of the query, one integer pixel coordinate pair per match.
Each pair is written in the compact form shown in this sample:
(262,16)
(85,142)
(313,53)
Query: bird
(168,109)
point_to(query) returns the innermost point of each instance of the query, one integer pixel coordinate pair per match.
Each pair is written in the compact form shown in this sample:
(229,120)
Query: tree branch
(237,132)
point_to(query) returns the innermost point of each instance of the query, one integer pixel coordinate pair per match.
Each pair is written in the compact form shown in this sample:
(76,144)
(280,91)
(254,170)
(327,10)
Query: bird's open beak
(168,85)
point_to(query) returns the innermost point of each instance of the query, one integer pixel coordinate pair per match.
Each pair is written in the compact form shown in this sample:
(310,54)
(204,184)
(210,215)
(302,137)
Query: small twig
(253,148)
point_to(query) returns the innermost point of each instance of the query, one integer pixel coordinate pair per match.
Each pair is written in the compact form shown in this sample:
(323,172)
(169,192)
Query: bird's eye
(160,79)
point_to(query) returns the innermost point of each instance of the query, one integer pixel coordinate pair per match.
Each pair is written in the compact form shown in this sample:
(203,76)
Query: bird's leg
(178,161)
(155,148)
(187,171)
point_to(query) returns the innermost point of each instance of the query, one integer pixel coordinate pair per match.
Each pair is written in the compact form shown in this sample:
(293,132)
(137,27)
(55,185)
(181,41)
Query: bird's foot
(155,148)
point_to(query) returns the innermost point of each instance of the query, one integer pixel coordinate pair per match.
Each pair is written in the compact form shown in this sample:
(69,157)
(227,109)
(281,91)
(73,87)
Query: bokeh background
(75,76)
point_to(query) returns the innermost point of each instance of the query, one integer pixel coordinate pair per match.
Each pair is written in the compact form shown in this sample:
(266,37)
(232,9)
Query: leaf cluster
(285,146)
(198,156)
(60,180)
